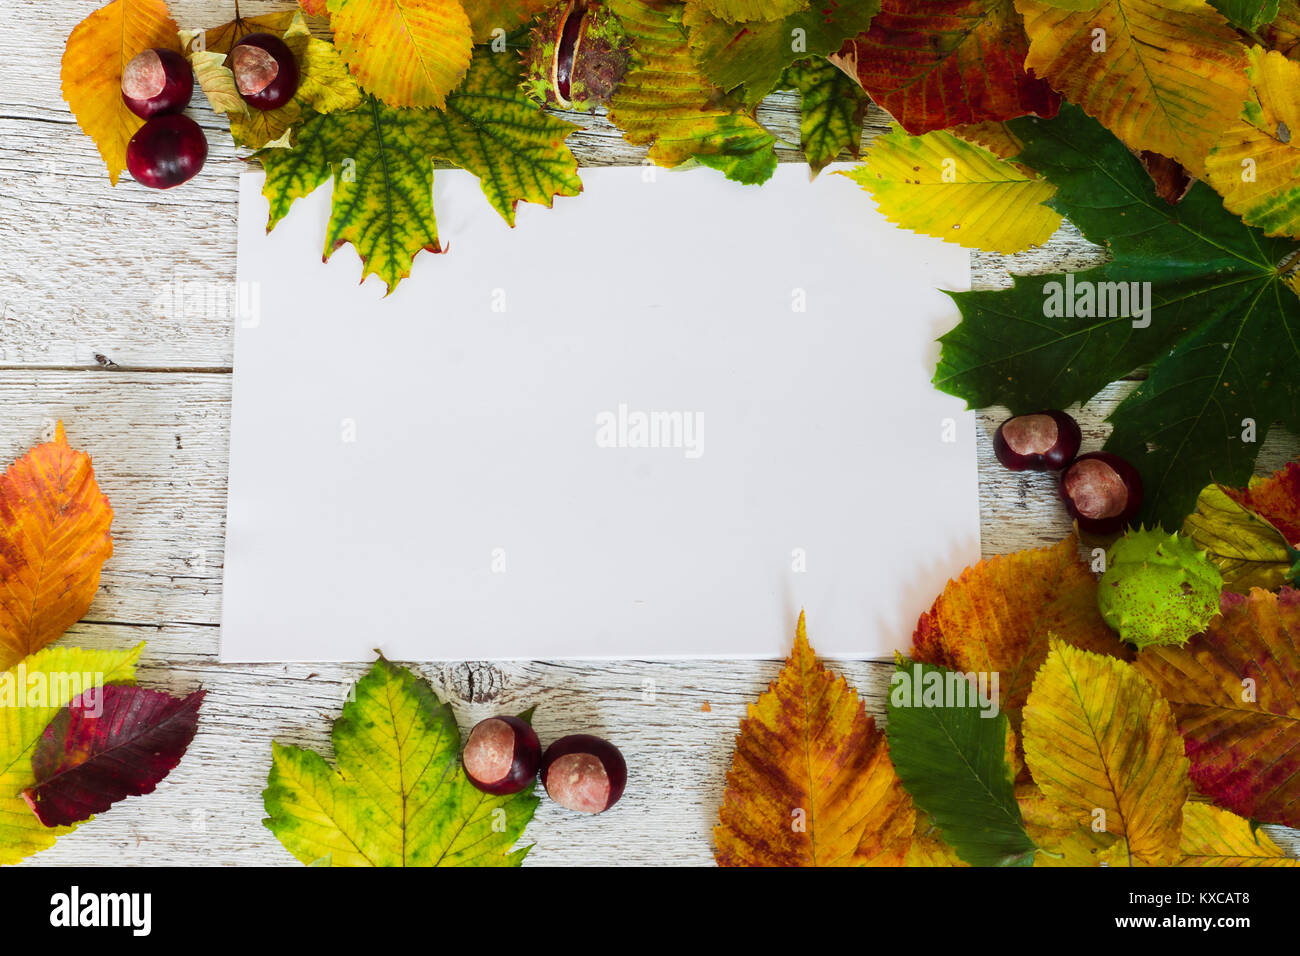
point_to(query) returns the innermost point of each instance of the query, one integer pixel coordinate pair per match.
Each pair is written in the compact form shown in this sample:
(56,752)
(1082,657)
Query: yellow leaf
(99,48)
(54,538)
(1256,164)
(1214,837)
(943,186)
(1061,840)
(1163,75)
(927,847)
(811,783)
(406,52)
(1100,739)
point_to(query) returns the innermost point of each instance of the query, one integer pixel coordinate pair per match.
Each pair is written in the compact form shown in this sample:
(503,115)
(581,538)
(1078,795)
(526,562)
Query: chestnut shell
(524,762)
(1061,453)
(177,83)
(605,752)
(1131,481)
(282,86)
(166,151)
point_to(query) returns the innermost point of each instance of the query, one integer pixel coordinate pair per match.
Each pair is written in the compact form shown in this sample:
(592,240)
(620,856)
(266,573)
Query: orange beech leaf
(1276,499)
(54,538)
(946,62)
(811,783)
(98,50)
(1235,691)
(996,618)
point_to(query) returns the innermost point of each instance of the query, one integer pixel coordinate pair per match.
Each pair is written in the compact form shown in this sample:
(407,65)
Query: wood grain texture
(89,334)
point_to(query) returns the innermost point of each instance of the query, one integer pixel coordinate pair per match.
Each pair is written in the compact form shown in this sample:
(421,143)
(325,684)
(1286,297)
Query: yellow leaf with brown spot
(54,538)
(811,783)
(1102,745)
(997,616)
(927,847)
(1163,75)
(98,50)
(406,52)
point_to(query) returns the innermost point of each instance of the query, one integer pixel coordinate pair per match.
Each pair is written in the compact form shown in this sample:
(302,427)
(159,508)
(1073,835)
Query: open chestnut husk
(577,56)
(1043,441)
(502,755)
(1102,492)
(583,772)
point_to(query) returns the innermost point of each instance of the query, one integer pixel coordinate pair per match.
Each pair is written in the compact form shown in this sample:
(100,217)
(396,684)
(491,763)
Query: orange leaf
(98,50)
(1235,691)
(811,783)
(54,538)
(1276,499)
(996,618)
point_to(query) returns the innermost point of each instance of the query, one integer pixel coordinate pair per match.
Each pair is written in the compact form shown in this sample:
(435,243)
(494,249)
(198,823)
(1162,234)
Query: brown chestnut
(1102,492)
(1043,441)
(266,74)
(157,81)
(166,151)
(502,755)
(584,773)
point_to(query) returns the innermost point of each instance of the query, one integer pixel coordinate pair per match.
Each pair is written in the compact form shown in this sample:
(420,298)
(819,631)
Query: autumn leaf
(400,796)
(831,108)
(738,11)
(1163,75)
(664,102)
(943,186)
(1191,291)
(98,50)
(1060,839)
(1248,14)
(107,744)
(927,847)
(30,695)
(405,52)
(485,16)
(1235,692)
(947,62)
(749,56)
(54,538)
(951,753)
(1246,549)
(997,617)
(1099,738)
(324,83)
(1214,837)
(810,782)
(314,8)
(1276,499)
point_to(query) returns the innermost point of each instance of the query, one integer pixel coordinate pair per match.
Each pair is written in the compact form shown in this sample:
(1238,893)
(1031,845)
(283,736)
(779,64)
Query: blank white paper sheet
(655,421)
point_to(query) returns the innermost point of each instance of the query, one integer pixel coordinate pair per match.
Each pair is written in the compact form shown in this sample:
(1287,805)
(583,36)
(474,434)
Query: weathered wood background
(87,335)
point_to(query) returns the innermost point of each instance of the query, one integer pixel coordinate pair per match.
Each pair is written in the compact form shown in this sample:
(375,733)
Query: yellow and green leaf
(1249,551)
(831,108)
(940,185)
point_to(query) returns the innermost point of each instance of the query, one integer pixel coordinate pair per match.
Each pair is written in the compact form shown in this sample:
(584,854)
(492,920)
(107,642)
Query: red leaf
(1276,499)
(109,743)
(945,62)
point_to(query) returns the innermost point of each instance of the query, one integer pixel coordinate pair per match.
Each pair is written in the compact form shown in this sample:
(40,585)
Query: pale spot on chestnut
(254,69)
(502,755)
(583,772)
(144,76)
(1042,441)
(1031,434)
(1102,492)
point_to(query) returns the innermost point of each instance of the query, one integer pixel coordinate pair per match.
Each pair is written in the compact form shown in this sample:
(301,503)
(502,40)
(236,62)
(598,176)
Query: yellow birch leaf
(1099,738)
(1256,165)
(940,185)
(406,52)
(99,48)
(1163,75)
(811,783)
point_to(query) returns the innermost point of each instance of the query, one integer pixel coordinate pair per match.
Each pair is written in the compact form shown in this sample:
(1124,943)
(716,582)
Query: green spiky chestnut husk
(595,45)
(1158,588)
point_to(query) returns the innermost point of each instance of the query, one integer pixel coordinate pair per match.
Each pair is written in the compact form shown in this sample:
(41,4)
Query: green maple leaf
(665,102)
(400,796)
(830,111)
(381,160)
(1223,339)
(753,54)
(24,717)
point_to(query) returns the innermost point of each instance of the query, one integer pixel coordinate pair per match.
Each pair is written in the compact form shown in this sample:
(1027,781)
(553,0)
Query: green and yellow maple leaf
(400,796)
(1191,291)
(944,186)
(811,783)
(666,103)
(749,56)
(31,693)
(381,160)
(1163,75)
(831,108)
(1100,739)
(324,83)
